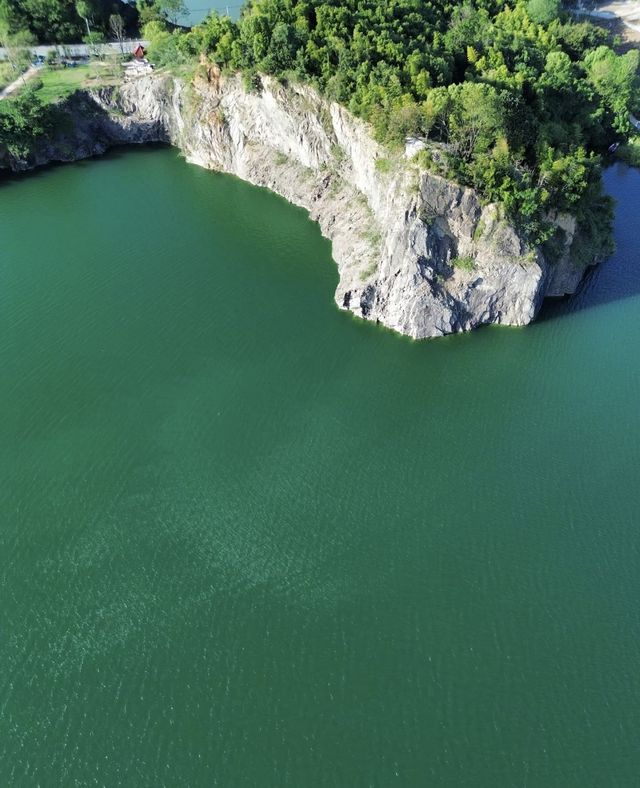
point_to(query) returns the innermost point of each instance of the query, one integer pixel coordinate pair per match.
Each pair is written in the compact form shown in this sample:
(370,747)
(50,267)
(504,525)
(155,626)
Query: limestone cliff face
(414,251)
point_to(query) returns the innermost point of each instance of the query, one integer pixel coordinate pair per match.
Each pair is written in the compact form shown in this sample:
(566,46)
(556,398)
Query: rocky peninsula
(415,252)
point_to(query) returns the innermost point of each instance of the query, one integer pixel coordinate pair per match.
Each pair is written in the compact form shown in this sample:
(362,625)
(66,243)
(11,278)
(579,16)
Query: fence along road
(81,50)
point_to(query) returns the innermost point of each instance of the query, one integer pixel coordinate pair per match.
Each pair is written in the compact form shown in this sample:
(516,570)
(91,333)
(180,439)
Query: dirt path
(18,83)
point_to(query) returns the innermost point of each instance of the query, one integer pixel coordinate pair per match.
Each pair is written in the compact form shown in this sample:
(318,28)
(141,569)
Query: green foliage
(384,166)
(373,236)
(479,231)
(160,11)
(338,154)
(464,263)
(543,11)
(369,271)
(171,9)
(615,80)
(630,153)
(595,216)
(17,50)
(554,246)
(166,47)
(23,120)
(85,10)
(7,74)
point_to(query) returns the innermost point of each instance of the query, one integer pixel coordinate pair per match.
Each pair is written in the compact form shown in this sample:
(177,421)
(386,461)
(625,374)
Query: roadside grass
(7,75)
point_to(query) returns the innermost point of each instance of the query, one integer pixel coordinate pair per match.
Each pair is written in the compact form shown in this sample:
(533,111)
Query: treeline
(518,100)
(67,21)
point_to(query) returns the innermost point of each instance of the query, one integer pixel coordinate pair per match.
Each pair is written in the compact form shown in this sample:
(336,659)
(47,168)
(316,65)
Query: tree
(116,25)
(85,11)
(147,12)
(543,11)
(475,120)
(160,10)
(171,9)
(93,42)
(10,19)
(64,21)
(615,78)
(23,120)
(17,47)
(559,71)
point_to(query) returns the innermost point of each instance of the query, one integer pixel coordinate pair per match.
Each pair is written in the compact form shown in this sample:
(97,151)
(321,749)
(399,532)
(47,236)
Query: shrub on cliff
(23,120)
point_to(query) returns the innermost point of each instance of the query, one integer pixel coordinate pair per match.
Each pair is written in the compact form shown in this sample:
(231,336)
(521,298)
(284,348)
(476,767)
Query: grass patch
(424,159)
(7,74)
(58,83)
(334,186)
(338,154)
(466,263)
(187,71)
(281,158)
(369,271)
(384,166)
(373,236)
(479,231)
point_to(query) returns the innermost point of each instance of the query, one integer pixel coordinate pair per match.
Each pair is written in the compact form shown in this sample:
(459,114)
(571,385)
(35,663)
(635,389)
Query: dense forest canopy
(516,98)
(70,21)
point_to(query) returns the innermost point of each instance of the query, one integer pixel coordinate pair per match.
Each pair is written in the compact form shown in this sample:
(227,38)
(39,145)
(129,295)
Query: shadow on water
(7,177)
(618,277)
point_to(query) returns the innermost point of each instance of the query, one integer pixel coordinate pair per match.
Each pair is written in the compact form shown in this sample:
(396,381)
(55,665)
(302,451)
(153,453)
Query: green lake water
(249,540)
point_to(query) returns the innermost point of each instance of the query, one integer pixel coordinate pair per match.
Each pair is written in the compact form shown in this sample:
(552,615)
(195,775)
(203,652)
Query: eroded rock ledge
(415,252)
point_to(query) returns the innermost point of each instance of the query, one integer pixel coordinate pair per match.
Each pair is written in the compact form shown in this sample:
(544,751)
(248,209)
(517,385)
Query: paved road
(80,50)
(627,11)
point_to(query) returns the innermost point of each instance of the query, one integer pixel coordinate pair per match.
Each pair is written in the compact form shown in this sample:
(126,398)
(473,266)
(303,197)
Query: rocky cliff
(414,251)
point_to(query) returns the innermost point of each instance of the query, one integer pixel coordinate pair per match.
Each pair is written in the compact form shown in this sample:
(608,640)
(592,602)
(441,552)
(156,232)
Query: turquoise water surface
(249,540)
(198,9)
